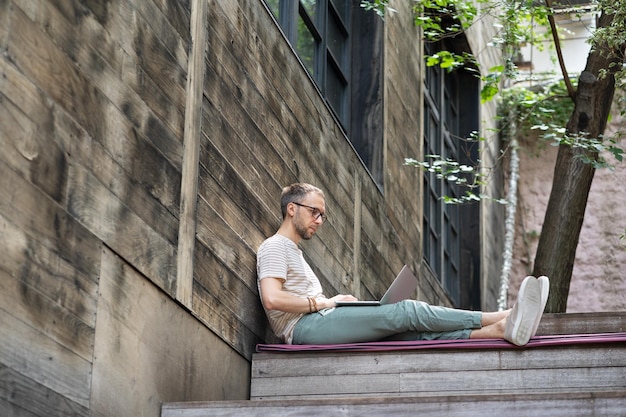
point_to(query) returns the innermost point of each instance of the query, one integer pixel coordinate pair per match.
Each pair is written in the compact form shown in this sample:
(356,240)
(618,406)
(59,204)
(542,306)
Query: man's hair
(295,193)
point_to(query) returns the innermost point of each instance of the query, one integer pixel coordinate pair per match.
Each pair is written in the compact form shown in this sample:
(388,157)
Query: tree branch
(559,53)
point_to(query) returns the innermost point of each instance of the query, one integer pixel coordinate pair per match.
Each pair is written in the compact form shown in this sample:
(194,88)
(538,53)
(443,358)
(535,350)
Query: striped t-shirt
(279,257)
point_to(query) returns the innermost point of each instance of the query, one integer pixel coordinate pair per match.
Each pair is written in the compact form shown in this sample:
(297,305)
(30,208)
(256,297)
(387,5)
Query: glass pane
(274,6)
(337,39)
(343,8)
(305,46)
(335,91)
(310,6)
(451,99)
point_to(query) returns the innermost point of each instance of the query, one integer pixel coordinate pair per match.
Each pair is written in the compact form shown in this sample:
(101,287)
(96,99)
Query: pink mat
(538,341)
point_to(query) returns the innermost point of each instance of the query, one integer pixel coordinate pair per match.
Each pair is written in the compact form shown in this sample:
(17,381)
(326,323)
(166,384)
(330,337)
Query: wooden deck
(486,405)
(571,380)
(582,323)
(428,373)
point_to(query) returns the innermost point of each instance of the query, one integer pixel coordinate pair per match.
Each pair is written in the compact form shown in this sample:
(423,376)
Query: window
(340,45)
(451,102)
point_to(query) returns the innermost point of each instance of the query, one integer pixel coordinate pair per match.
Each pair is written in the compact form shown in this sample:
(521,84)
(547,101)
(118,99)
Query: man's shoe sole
(525,312)
(544,284)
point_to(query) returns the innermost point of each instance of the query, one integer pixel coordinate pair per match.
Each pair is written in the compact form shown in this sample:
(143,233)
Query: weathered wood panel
(472,382)
(123,114)
(582,323)
(45,222)
(111,221)
(33,354)
(278,365)
(305,120)
(21,396)
(166,353)
(191,156)
(403,122)
(280,102)
(27,299)
(40,140)
(138,168)
(47,299)
(111,59)
(92,97)
(564,405)
(424,373)
(228,307)
(64,85)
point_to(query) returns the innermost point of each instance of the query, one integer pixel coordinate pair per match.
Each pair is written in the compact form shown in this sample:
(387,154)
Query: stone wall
(598,282)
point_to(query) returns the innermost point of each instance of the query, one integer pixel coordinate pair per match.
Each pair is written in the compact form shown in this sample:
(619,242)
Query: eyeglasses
(317,214)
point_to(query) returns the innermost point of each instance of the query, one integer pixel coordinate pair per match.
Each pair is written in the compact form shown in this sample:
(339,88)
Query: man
(300,313)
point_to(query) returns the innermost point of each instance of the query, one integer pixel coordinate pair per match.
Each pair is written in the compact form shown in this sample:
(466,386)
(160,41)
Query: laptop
(400,289)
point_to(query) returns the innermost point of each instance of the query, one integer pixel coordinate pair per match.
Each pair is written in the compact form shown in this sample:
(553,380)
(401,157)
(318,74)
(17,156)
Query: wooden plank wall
(492,215)
(264,126)
(92,121)
(144,147)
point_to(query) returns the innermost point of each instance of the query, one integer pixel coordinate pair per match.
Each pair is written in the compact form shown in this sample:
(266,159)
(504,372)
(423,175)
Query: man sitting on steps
(300,313)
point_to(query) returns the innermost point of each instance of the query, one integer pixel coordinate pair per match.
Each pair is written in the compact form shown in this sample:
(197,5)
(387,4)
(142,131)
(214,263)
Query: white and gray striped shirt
(279,257)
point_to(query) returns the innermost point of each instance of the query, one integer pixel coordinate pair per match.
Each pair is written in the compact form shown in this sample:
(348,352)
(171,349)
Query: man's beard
(302,230)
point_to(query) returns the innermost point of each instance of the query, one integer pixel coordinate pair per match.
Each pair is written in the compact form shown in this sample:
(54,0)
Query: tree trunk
(572,177)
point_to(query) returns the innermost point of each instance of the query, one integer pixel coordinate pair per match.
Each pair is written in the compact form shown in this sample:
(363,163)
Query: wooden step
(584,368)
(582,323)
(558,369)
(557,381)
(597,404)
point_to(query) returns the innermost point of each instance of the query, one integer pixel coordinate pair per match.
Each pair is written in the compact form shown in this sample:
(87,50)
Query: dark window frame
(451,231)
(343,70)
(330,57)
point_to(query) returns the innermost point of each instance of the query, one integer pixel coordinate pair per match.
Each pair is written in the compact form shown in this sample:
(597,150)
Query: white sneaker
(544,283)
(525,312)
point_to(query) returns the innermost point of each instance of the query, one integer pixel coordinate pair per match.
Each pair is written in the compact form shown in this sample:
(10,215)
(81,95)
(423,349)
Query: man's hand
(274,298)
(332,302)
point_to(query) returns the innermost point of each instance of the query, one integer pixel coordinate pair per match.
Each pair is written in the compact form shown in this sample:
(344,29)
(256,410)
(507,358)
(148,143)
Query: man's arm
(274,298)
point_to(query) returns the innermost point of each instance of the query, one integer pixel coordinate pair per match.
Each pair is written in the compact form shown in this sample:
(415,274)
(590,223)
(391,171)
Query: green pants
(406,320)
